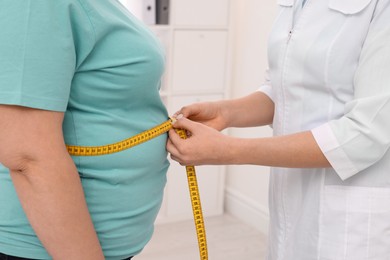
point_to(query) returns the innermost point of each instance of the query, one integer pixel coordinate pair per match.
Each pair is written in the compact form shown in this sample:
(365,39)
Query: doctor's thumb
(184,123)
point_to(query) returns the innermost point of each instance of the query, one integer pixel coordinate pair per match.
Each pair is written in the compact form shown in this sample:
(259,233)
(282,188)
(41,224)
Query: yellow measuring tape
(191,174)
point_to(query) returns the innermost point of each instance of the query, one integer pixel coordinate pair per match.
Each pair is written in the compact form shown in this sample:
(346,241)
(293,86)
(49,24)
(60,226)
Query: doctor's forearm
(293,151)
(256,109)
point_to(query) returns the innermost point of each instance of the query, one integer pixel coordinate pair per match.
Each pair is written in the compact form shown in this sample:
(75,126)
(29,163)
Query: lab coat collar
(286,2)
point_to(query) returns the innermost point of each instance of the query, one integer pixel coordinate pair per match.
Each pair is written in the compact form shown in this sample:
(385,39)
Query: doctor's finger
(175,141)
(175,153)
(171,148)
(189,110)
(186,124)
(176,159)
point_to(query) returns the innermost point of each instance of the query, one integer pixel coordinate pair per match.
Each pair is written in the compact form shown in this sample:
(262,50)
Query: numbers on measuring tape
(121,145)
(196,207)
(191,174)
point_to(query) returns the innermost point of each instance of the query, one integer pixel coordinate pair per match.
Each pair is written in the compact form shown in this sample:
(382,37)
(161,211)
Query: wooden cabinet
(197,69)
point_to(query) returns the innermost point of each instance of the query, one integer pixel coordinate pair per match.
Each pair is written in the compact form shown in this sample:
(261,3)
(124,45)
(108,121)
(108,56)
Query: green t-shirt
(94,61)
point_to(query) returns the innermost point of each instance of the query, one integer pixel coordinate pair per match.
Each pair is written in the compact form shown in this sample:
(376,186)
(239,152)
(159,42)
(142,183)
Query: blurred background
(215,49)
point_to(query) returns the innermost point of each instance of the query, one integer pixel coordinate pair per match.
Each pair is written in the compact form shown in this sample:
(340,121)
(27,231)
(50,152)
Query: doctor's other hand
(204,144)
(212,114)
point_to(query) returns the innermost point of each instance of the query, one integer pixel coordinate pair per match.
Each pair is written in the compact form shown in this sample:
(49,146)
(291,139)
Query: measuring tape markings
(196,205)
(143,137)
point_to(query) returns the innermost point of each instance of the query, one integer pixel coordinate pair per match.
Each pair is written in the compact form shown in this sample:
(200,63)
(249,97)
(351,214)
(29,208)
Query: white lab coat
(329,72)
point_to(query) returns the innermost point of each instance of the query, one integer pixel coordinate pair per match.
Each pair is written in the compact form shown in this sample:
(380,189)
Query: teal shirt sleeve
(40,52)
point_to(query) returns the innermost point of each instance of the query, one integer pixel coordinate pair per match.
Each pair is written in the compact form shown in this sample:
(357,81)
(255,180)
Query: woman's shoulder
(42,8)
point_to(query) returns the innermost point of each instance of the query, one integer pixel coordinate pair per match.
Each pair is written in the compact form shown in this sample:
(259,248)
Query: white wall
(247,186)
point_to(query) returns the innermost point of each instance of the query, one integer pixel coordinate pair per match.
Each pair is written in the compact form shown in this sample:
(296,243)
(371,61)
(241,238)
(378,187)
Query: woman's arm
(47,182)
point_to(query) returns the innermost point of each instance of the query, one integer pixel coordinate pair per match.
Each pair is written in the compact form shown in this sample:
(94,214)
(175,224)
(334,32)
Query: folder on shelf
(162,11)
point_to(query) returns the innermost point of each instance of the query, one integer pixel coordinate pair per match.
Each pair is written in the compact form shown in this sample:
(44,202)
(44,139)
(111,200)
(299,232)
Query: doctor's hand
(204,144)
(212,114)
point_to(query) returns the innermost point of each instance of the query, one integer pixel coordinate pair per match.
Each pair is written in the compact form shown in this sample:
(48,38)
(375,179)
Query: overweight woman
(80,72)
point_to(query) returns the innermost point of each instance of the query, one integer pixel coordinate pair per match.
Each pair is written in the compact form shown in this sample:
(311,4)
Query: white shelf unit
(197,47)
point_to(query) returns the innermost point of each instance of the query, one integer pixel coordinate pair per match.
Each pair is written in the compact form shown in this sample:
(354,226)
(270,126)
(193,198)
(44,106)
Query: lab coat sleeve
(266,87)
(362,136)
